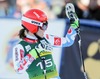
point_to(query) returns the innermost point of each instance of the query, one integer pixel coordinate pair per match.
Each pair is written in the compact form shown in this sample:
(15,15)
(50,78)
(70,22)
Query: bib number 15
(48,63)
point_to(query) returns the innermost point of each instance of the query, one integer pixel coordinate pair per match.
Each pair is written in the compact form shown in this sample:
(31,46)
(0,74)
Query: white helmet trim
(34,22)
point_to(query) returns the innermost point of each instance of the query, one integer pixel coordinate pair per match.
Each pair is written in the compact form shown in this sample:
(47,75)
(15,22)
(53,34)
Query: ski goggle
(42,25)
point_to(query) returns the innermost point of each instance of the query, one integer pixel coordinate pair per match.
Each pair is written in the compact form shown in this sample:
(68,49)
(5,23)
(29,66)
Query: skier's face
(40,32)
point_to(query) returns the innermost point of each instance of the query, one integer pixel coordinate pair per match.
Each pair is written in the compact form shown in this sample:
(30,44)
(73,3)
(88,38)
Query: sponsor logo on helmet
(36,14)
(36,23)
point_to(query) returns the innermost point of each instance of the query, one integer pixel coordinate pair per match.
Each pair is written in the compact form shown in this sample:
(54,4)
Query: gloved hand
(70,13)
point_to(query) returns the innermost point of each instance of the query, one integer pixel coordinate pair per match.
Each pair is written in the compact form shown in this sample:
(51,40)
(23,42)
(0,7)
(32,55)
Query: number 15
(48,63)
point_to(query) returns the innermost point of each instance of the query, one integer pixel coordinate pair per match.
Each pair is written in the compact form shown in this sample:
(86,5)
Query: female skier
(33,53)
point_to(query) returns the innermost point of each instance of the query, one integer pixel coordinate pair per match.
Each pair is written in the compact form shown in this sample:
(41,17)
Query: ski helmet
(33,19)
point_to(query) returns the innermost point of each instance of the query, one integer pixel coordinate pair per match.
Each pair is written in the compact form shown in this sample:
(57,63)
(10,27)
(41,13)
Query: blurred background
(69,60)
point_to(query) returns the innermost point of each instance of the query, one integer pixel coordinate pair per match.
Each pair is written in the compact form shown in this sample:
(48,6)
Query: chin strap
(38,36)
(81,55)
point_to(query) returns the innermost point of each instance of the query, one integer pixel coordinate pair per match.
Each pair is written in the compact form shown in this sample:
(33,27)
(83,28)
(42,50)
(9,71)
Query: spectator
(62,13)
(94,10)
(7,8)
(25,5)
(82,9)
(3,8)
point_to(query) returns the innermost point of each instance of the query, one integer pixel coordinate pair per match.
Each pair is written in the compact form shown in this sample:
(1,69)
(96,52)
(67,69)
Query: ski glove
(70,13)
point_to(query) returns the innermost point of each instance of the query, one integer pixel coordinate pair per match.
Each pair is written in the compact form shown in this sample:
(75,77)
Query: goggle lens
(45,25)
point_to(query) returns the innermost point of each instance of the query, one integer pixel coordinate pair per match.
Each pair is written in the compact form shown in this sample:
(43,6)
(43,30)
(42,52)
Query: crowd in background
(85,9)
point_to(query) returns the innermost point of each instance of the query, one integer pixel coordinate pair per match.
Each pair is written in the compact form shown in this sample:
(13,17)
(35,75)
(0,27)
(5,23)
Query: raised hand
(71,14)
